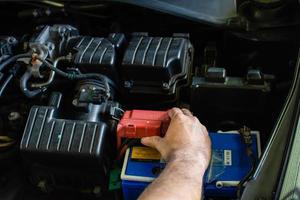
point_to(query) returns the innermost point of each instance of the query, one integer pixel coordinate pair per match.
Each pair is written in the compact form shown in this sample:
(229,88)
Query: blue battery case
(228,166)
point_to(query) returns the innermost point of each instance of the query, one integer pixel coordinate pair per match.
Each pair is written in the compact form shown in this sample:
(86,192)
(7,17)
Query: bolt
(75,102)
(13,116)
(50,46)
(11,40)
(166,86)
(127,84)
(48,12)
(35,13)
(97,190)
(42,185)
(38,28)
(190,51)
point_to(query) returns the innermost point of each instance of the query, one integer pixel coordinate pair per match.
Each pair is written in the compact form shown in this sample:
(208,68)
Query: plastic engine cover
(156,66)
(93,55)
(59,151)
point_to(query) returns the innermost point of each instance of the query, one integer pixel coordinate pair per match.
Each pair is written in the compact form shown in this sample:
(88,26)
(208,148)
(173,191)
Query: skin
(187,149)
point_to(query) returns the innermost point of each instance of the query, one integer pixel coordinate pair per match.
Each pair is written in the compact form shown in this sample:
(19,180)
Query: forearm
(181,179)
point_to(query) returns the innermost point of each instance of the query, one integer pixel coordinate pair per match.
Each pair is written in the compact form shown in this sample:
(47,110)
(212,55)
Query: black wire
(73,76)
(126,141)
(133,142)
(247,177)
(13,59)
(5,84)
(248,142)
(130,142)
(245,134)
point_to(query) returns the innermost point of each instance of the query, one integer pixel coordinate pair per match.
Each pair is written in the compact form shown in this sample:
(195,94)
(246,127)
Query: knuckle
(182,118)
(195,119)
(179,116)
(187,110)
(176,110)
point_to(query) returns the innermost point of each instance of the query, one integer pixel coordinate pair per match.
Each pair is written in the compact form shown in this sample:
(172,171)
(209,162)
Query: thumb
(154,142)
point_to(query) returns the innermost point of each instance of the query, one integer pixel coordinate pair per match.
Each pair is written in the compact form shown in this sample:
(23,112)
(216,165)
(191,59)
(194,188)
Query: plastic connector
(246,135)
(142,123)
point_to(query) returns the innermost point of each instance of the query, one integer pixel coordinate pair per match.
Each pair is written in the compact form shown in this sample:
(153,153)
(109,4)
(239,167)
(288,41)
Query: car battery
(229,165)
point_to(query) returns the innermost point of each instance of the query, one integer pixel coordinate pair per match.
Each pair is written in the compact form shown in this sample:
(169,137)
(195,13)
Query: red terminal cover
(142,123)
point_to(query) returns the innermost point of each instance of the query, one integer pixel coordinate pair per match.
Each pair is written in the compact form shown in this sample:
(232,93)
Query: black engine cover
(154,68)
(65,152)
(93,55)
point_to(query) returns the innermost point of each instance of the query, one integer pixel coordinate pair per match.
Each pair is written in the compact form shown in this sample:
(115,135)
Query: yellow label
(145,153)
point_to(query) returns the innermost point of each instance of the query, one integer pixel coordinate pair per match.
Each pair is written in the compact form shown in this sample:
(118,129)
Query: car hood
(210,11)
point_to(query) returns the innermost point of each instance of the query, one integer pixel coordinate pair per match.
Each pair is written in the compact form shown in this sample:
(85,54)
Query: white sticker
(227,158)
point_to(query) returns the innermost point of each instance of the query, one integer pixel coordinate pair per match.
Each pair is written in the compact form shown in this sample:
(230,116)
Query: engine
(71,140)
(75,104)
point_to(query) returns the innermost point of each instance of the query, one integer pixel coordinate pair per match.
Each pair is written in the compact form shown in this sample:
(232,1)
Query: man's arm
(186,148)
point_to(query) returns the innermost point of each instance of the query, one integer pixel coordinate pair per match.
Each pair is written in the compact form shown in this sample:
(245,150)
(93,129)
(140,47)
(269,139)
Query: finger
(187,112)
(174,112)
(154,142)
(204,130)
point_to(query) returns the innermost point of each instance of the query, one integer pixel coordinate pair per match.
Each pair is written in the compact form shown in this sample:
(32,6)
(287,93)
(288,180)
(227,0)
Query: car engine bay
(79,89)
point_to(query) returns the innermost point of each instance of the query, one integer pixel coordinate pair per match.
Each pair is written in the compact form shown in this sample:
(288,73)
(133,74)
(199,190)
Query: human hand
(185,139)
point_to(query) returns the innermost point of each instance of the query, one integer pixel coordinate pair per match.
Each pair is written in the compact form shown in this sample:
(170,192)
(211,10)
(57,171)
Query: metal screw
(11,40)
(35,13)
(13,116)
(50,46)
(42,185)
(48,12)
(166,86)
(97,190)
(75,102)
(127,84)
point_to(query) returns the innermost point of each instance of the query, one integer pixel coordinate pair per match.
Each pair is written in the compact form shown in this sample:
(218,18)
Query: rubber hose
(23,86)
(79,76)
(13,59)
